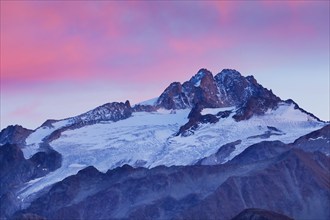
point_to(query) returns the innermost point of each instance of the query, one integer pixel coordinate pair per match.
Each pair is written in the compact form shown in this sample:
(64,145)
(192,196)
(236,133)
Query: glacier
(149,139)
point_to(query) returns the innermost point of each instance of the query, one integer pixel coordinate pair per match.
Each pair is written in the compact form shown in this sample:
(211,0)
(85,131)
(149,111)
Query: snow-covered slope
(149,102)
(150,139)
(34,140)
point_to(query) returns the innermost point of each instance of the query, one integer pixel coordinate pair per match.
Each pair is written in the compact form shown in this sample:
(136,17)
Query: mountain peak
(14,134)
(200,76)
(227,88)
(251,79)
(232,73)
(200,89)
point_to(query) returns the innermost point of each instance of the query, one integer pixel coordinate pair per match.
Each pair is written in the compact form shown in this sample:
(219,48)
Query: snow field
(148,139)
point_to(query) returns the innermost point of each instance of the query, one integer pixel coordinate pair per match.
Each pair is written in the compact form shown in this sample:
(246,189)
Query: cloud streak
(47,43)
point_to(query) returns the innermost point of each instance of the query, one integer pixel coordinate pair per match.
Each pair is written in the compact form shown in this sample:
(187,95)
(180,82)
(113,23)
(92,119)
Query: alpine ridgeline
(214,147)
(228,88)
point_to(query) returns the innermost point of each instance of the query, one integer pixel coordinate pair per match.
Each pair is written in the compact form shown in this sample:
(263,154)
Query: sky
(63,58)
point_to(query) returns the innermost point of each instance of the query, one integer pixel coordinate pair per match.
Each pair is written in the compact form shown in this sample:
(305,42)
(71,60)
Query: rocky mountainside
(315,141)
(114,111)
(14,134)
(228,88)
(208,148)
(201,89)
(318,140)
(15,170)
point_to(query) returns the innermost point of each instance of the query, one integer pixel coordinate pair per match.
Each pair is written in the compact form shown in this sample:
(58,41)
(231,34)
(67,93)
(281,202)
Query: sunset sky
(62,58)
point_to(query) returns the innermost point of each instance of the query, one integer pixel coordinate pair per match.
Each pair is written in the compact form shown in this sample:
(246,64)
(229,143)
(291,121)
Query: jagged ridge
(227,88)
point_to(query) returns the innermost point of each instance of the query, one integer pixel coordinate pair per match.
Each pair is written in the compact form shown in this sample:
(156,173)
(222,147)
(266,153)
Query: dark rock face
(46,161)
(195,117)
(207,93)
(200,89)
(234,88)
(220,156)
(249,96)
(255,153)
(228,88)
(260,214)
(63,193)
(224,114)
(289,181)
(114,111)
(14,134)
(293,184)
(16,170)
(260,152)
(256,105)
(173,97)
(241,91)
(318,140)
(144,108)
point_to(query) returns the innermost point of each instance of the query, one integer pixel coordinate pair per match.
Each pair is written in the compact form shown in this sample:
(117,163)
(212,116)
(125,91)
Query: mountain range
(213,147)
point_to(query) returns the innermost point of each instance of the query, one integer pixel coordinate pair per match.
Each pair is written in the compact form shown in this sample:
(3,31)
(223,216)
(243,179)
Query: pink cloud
(198,46)
(58,41)
(45,43)
(28,110)
(41,38)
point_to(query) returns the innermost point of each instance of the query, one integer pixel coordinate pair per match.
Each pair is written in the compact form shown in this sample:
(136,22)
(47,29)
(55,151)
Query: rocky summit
(227,88)
(213,147)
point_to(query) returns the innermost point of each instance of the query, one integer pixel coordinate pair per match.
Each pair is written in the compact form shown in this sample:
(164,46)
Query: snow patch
(77,165)
(196,80)
(313,139)
(198,83)
(34,180)
(289,112)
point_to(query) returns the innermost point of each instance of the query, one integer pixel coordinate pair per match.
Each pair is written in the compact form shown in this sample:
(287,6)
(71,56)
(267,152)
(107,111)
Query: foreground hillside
(268,175)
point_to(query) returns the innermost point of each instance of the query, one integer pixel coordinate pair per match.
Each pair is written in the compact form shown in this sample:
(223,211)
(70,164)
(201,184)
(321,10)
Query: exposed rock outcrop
(227,88)
(195,118)
(14,134)
(318,140)
(220,156)
(15,170)
(201,89)
(114,111)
